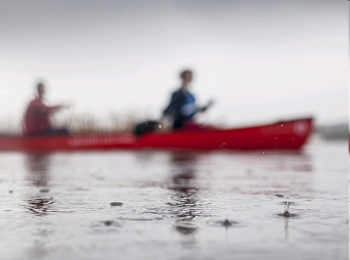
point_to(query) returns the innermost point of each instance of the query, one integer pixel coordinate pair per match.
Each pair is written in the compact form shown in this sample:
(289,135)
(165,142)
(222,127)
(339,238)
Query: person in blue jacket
(182,105)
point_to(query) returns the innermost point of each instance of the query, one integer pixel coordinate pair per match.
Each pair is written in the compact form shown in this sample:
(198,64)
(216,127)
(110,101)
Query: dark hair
(39,85)
(184,72)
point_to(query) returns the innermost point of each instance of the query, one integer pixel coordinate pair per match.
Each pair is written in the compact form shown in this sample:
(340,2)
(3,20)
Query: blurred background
(118,61)
(260,60)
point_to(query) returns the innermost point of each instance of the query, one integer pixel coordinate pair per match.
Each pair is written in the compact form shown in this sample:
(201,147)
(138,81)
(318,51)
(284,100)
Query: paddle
(151,125)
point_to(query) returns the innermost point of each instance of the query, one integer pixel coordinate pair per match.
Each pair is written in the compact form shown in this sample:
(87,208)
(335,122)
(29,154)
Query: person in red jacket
(37,116)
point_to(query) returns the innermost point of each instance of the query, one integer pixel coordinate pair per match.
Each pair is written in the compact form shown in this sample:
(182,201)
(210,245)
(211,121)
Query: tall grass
(90,123)
(113,122)
(86,123)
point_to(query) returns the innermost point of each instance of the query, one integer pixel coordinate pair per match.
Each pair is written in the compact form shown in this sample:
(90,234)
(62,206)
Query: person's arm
(53,109)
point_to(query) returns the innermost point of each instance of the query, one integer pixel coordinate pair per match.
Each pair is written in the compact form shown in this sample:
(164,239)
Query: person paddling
(182,107)
(37,116)
(179,113)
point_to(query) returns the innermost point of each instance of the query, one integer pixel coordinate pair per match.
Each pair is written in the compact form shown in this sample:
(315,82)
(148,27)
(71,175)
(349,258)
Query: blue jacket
(182,108)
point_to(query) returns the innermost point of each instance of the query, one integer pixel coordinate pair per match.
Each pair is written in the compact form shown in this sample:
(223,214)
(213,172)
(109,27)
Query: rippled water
(164,205)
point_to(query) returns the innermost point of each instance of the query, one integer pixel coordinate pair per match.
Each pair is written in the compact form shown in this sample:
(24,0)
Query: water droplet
(286,214)
(286,205)
(108,222)
(227,223)
(286,208)
(116,204)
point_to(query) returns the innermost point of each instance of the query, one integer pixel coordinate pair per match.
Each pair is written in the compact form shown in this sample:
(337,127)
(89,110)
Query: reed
(112,122)
(86,123)
(9,126)
(90,123)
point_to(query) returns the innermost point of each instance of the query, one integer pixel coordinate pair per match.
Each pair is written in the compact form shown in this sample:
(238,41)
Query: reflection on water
(297,161)
(286,234)
(38,169)
(183,172)
(40,206)
(157,205)
(185,195)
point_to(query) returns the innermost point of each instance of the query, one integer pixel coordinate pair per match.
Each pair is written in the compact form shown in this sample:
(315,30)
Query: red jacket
(37,117)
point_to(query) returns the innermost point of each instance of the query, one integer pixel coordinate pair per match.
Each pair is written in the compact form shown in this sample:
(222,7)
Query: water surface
(167,205)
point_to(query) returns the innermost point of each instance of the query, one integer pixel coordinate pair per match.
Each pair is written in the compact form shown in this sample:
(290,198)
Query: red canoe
(290,134)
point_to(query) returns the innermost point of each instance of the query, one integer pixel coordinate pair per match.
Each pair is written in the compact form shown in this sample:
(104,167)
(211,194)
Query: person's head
(41,89)
(186,76)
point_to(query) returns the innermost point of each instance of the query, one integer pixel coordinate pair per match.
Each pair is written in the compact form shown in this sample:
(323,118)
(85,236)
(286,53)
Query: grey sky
(260,60)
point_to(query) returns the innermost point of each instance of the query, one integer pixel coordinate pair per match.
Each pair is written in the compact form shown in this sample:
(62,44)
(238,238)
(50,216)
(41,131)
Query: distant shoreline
(334,132)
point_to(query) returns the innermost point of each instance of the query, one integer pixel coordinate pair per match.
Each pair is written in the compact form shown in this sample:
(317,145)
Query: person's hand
(205,108)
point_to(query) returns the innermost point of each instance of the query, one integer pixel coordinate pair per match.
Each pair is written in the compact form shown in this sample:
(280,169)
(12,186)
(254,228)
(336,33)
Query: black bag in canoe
(145,127)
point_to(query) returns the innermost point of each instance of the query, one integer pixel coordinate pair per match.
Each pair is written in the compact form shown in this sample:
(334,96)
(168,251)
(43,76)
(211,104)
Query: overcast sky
(261,60)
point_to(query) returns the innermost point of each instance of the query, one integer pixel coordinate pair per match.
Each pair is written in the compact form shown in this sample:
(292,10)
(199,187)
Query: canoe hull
(282,135)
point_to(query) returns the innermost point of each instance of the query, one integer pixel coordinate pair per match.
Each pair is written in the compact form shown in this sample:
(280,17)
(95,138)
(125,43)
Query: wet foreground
(164,205)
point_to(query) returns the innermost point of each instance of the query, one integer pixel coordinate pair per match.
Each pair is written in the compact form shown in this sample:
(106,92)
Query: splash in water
(286,208)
